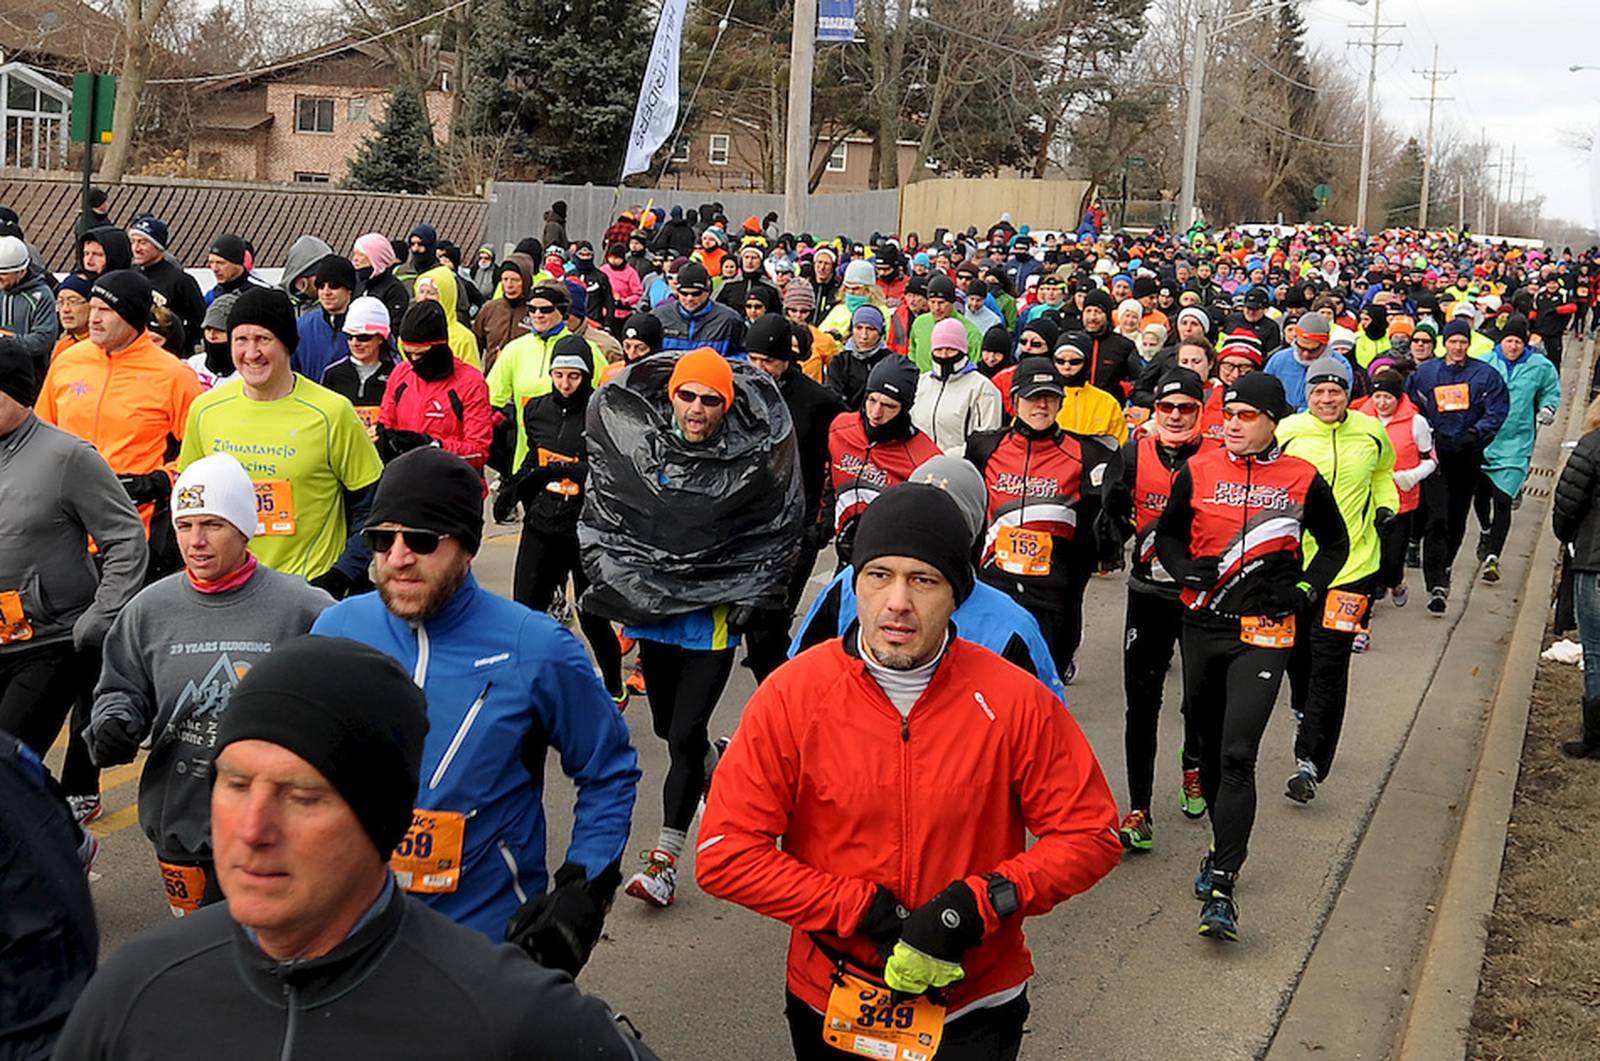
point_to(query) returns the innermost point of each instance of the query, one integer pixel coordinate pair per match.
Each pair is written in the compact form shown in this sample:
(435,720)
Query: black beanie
(1045,328)
(1516,325)
(997,340)
(1100,299)
(941,286)
(694,277)
(269,308)
(128,293)
(350,711)
(920,521)
(431,489)
(424,322)
(1259,391)
(338,270)
(895,378)
(646,328)
(1388,381)
(1184,381)
(231,248)
(16,372)
(771,336)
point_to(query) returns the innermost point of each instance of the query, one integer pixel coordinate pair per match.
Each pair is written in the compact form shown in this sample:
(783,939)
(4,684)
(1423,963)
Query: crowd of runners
(238,527)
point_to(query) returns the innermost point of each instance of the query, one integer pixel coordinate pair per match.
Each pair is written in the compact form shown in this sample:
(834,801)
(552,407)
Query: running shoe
(561,608)
(657,883)
(625,643)
(621,699)
(1137,832)
(85,809)
(88,850)
(636,681)
(1436,601)
(1483,547)
(1401,595)
(1190,798)
(1361,642)
(1414,556)
(1202,879)
(1302,784)
(1219,918)
(1491,569)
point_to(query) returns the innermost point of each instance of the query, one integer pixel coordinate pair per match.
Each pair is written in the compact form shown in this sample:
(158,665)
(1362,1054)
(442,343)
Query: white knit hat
(218,486)
(860,271)
(367,316)
(13,254)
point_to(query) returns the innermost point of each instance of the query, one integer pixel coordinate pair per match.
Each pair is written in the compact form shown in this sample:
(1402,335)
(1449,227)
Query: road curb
(1438,1022)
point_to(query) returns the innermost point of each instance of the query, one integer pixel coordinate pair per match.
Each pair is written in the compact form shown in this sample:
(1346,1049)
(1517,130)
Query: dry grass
(1540,990)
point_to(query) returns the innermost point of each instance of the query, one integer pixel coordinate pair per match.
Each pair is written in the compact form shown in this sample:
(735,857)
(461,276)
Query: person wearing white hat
(27,307)
(363,376)
(174,656)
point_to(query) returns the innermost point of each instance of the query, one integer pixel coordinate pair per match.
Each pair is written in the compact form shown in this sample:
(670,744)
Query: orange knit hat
(706,367)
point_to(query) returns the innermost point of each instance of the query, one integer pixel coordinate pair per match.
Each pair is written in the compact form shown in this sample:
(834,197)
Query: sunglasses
(1035,344)
(755,305)
(1069,360)
(542,307)
(1178,408)
(691,291)
(421,542)
(1244,416)
(689,397)
(364,337)
(328,283)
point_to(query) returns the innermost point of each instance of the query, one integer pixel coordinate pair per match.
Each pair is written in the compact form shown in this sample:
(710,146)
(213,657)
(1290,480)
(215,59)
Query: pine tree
(399,155)
(1405,188)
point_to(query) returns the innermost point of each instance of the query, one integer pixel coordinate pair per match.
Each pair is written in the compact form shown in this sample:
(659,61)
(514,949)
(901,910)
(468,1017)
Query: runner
(27,306)
(1242,582)
(522,371)
(1086,409)
(321,327)
(954,401)
(174,656)
(692,320)
(433,398)
(927,904)
(1533,395)
(504,686)
(363,377)
(1414,461)
(1575,518)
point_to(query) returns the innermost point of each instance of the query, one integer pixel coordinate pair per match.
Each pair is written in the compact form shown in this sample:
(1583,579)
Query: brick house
(728,154)
(304,121)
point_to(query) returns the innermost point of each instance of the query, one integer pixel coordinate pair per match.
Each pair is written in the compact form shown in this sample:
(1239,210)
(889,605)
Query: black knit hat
(997,340)
(128,293)
(231,248)
(646,328)
(693,277)
(1100,299)
(1259,391)
(338,270)
(431,489)
(941,286)
(269,308)
(894,378)
(350,711)
(920,521)
(424,322)
(16,372)
(1184,381)
(771,336)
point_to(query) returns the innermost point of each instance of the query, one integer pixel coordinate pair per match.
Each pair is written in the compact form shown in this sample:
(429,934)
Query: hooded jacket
(626,289)
(1532,384)
(522,373)
(676,236)
(555,226)
(504,319)
(386,288)
(952,408)
(114,241)
(301,262)
(453,410)
(552,477)
(28,312)
(462,343)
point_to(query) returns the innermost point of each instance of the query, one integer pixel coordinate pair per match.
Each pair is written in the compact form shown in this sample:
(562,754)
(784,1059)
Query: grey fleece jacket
(28,311)
(56,491)
(304,254)
(172,660)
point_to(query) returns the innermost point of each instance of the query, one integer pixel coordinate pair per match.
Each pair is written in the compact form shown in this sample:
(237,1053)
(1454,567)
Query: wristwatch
(1002,896)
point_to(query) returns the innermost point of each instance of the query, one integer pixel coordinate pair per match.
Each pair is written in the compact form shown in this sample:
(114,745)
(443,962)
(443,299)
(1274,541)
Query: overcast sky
(1512,79)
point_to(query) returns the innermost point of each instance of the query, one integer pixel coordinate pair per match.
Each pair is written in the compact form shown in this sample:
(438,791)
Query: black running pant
(1449,496)
(684,686)
(1153,626)
(1392,542)
(39,687)
(1231,687)
(990,1034)
(544,561)
(1319,681)
(1493,507)
(768,647)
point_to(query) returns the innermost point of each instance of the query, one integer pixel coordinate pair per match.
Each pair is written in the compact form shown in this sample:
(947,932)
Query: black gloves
(1281,600)
(1201,572)
(1108,545)
(946,926)
(1383,519)
(113,739)
(560,928)
(1468,441)
(505,500)
(334,583)
(392,442)
(147,488)
(883,921)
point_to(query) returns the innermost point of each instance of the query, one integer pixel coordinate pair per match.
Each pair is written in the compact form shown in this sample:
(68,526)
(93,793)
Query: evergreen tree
(1405,188)
(1299,87)
(557,82)
(399,155)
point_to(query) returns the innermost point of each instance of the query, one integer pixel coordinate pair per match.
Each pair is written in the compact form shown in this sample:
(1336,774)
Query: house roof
(75,34)
(271,216)
(233,123)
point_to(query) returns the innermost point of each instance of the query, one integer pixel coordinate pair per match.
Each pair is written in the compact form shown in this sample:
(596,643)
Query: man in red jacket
(902,769)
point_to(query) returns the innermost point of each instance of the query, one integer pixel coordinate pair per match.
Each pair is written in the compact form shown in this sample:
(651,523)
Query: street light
(1197,82)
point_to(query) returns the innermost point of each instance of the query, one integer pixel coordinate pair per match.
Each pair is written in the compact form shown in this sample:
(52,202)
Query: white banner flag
(657,110)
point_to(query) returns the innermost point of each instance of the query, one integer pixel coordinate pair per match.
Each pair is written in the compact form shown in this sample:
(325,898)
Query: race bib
(185,886)
(275,507)
(865,1020)
(1023,552)
(1452,397)
(427,860)
(1260,632)
(368,415)
(14,624)
(563,487)
(1343,611)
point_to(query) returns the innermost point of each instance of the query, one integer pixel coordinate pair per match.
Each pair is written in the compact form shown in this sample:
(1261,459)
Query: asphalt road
(1121,972)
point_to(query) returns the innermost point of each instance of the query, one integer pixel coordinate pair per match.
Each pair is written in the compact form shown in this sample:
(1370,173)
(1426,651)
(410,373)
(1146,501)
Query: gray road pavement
(1121,970)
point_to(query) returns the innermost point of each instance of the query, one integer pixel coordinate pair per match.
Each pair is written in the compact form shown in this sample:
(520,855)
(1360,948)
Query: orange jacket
(131,406)
(860,796)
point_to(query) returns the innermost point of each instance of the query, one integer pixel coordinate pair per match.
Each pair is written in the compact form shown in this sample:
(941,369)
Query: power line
(1433,75)
(1291,134)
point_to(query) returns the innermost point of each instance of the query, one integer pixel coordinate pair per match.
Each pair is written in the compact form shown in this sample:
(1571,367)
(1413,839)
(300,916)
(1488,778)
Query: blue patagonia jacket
(504,683)
(988,618)
(320,345)
(713,325)
(1434,389)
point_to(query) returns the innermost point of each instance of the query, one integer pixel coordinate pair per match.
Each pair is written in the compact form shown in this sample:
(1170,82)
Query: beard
(413,610)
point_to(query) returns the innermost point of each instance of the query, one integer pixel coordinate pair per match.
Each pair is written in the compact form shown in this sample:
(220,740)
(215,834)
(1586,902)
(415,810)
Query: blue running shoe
(1219,919)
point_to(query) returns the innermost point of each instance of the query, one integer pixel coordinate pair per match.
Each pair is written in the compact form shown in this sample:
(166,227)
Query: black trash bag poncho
(669,527)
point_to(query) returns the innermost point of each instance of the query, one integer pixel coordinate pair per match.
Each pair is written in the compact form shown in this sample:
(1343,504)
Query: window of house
(313,114)
(312,178)
(839,159)
(718,155)
(680,151)
(358,108)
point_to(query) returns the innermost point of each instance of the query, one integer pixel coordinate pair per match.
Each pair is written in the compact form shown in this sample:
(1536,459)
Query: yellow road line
(116,821)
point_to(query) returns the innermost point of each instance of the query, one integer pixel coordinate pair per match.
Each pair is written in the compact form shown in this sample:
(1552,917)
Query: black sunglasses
(542,307)
(689,397)
(421,542)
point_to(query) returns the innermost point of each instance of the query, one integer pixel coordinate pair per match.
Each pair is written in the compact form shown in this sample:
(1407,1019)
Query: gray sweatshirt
(172,660)
(56,491)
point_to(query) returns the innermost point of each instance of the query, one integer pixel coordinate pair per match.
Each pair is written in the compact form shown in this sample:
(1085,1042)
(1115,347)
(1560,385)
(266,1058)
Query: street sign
(94,98)
(1137,162)
(1322,193)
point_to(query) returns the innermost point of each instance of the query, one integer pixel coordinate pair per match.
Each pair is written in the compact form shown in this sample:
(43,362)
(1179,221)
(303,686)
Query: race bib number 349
(866,1020)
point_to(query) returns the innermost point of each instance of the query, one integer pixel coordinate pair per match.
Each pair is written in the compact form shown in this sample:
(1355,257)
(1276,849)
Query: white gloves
(1547,416)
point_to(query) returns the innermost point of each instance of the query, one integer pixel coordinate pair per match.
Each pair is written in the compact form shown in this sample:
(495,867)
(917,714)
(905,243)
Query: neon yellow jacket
(1088,410)
(1356,457)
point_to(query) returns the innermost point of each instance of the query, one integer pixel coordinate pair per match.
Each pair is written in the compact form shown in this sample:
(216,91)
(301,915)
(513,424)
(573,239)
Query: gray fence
(517,209)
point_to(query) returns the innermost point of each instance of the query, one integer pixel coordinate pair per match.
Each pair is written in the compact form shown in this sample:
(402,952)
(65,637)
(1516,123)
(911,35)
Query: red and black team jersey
(1250,512)
(1045,492)
(1148,469)
(860,469)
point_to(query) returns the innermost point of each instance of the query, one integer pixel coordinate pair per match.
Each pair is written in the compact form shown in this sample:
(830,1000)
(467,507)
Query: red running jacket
(860,797)
(455,410)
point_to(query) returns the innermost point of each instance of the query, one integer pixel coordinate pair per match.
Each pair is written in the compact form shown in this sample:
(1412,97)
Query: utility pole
(797,150)
(1434,76)
(1483,186)
(1373,45)
(1461,202)
(1191,124)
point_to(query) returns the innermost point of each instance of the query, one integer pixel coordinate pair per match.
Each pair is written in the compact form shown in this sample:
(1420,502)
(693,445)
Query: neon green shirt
(303,452)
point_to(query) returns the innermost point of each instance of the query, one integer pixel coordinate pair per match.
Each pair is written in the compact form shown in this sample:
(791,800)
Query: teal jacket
(1534,384)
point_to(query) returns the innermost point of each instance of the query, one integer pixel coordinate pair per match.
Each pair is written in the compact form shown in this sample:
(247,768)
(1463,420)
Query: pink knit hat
(376,246)
(949,334)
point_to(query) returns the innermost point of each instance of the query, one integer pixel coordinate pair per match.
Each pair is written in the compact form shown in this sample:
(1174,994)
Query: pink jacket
(626,289)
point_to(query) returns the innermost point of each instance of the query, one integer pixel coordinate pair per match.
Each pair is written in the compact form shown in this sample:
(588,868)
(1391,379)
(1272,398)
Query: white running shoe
(657,883)
(85,809)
